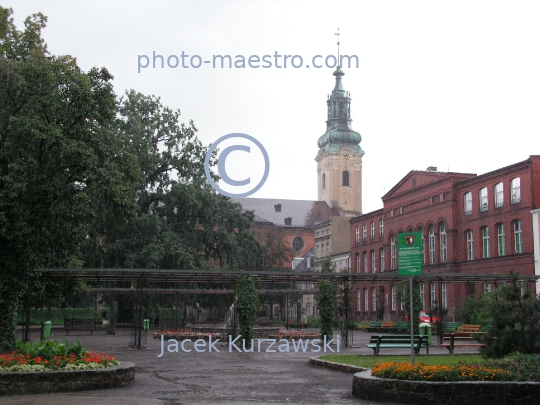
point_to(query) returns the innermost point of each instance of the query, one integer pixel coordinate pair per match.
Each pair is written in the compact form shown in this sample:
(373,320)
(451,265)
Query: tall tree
(58,150)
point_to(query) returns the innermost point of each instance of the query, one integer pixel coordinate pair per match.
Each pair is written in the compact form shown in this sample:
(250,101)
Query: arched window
(373,299)
(358,262)
(381,258)
(518,242)
(515,190)
(373,262)
(470,250)
(346,178)
(366,300)
(443,240)
(485,241)
(501,240)
(431,237)
(392,252)
(324,180)
(366,269)
(421,230)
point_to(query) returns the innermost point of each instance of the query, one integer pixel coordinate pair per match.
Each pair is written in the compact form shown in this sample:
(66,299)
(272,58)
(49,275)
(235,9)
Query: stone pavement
(213,378)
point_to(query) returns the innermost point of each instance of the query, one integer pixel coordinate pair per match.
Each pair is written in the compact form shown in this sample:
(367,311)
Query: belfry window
(346,178)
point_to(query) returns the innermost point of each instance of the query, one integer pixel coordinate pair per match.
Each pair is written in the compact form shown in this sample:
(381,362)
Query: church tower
(339,160)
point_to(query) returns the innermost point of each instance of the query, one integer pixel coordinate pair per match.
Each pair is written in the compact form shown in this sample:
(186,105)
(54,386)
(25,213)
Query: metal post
(411,319)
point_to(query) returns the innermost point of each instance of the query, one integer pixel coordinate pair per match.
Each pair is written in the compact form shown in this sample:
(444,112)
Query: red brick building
(470,225)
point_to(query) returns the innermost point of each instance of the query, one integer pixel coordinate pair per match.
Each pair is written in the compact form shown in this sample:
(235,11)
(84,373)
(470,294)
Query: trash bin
(425,329)
(146,324)
(305,320)
(47,325)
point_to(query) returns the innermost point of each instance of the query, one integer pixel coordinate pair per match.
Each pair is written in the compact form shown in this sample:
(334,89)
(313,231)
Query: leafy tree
(514,320)
(326,306)
(58,151)
(247,306)
(344,303)
(403,296)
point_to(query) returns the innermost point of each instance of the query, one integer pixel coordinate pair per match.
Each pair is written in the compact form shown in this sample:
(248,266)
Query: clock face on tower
(345,156)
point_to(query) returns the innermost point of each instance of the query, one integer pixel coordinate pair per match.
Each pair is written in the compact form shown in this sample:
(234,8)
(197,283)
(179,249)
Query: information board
(409,254)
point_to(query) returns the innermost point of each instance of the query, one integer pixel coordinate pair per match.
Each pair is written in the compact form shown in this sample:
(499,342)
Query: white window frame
(423,295)
(443,242)
(381,227)
(501,240)
(483,199)
(364,232)
(518,236)
(358,301)
(470,244)
(431,237)
(381,258)
(373,298)
(467,203)
(357,232)
(358,262)
(498,189)
(372,230)
(365,257)
(366,299)
(373,261)
(444,299)
(394,298)
(432,295)
(485,242)
(515,186)
(392,251)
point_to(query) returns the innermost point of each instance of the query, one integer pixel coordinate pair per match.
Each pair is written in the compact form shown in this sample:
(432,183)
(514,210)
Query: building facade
(471,225)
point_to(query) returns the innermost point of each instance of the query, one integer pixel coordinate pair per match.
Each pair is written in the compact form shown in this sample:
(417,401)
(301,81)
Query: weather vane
(338,34)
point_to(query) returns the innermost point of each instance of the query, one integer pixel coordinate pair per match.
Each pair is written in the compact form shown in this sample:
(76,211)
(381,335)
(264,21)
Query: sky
(454,85)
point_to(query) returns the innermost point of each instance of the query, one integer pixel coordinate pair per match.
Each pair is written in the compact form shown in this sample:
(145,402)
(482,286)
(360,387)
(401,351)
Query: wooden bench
(79,324)
(470,328)
(457,339)
(387,325)
(397,341)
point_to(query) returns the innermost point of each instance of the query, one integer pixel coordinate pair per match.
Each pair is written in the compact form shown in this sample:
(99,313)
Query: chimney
(431,169)
(277,207)
(288,221)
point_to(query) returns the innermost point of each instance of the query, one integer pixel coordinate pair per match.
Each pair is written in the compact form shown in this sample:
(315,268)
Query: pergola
(169,281)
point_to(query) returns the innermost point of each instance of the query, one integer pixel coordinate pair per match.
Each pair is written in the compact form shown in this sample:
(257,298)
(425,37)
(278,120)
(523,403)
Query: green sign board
(409,254)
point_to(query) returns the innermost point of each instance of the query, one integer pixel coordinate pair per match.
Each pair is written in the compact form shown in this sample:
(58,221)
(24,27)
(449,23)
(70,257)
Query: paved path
(212,378)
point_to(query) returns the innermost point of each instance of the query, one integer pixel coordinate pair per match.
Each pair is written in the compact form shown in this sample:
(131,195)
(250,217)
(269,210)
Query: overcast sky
(452,84)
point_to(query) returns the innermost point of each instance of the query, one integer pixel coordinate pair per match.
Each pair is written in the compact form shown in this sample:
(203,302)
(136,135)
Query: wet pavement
(227,377)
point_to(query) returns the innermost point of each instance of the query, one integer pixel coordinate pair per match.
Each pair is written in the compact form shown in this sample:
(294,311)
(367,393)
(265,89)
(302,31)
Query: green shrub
(525,367)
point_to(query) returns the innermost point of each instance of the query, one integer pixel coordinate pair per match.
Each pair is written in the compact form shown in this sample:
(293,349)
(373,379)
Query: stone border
(368,387)
(43,382)
(346,368)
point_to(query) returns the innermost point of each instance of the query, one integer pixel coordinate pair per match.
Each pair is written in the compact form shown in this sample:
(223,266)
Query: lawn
(369,361)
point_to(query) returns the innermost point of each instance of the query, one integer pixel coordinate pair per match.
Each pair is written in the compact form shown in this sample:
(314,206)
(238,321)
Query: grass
(369,361)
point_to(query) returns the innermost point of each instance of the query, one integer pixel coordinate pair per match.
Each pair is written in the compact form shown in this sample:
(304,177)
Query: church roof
(302,213)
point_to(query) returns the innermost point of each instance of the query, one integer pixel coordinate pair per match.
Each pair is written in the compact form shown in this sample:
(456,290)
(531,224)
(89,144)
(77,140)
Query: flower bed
(371,388)
(42,367)
(459,372)
(50,355)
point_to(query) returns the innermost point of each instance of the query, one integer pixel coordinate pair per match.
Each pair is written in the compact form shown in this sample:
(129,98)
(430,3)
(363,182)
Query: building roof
(303,213)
